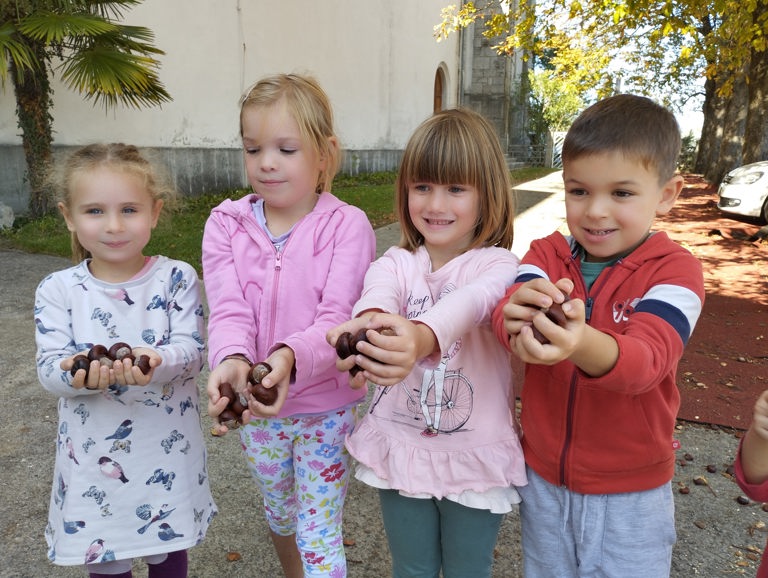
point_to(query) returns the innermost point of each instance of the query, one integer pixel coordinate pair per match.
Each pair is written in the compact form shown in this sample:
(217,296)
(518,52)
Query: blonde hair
(120,157)
(632,125)
(458,146)
(309,106)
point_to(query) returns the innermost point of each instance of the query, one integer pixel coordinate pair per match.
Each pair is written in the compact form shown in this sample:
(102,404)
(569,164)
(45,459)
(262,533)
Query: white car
(744,191)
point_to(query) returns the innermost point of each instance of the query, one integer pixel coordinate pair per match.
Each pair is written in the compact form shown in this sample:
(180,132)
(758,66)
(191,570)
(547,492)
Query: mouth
(599,232)
(438,222)
(116,244)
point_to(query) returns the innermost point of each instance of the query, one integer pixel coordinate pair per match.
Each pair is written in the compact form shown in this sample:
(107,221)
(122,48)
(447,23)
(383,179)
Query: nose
(114,222)
(267,160)
(597,207)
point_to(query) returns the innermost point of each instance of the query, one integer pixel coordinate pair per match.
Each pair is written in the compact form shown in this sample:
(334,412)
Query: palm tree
(82,41)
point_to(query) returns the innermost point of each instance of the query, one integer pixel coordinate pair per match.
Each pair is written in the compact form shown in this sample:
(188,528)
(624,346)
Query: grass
(180,234)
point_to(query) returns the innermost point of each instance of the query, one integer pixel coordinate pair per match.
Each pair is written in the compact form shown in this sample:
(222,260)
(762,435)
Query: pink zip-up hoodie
(261,299)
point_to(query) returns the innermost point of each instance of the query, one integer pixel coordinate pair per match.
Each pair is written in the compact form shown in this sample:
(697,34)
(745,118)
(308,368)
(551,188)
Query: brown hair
(310,107)
(458,146)
(633,125)
(118,156)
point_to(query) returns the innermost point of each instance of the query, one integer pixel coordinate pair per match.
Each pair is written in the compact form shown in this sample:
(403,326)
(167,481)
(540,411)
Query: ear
(669,193)
(67,217)
(158,206)
(333,145)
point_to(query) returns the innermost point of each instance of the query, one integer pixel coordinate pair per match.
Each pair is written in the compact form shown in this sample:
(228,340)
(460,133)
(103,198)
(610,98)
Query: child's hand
(530,298)
(233,371)
(125,373)
(563,340)
(760,416)
(344,365)
(388,359)
(98,376)
(282,361)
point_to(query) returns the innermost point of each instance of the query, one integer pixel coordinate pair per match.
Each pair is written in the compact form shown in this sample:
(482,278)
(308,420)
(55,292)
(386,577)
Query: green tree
(82,41)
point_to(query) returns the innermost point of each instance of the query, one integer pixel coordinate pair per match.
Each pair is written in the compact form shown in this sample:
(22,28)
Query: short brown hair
(458,146)
(629,124)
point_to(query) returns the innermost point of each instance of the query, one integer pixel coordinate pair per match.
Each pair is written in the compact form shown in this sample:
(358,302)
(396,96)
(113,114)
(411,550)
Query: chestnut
(119,350)
(262,394)
(142,362)
(555,314)
(346,344)
(231,416)
(80,362)
(97,352)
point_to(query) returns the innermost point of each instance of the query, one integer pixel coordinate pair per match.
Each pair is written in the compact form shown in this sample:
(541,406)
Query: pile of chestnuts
(346,344)
(556,315)
(232,414)
(118,352)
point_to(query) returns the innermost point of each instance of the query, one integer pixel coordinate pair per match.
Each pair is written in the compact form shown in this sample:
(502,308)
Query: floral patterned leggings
(301,466)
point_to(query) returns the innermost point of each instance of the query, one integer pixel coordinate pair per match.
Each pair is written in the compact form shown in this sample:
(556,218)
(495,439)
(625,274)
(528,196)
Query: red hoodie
(612,433)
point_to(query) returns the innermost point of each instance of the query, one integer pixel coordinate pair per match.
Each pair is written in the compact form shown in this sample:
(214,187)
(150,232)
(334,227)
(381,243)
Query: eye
(623,194)
(456,189)
(287,151)
(93,211)
(251,150)
(577,192)
(420,187)
(130,210)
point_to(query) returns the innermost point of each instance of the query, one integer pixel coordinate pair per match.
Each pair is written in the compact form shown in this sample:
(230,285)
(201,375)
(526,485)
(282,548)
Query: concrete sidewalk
(717,537)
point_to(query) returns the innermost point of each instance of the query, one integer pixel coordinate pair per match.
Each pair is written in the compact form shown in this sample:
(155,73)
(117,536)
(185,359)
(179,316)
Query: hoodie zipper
(588,305)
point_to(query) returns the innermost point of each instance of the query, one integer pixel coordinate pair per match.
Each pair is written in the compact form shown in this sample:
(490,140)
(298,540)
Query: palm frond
(13,51)
(53,27)
(104,75)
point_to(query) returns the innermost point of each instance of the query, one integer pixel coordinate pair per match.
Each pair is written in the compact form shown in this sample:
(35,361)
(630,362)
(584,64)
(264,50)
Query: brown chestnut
(80,362)
(259,371)
(97,352)
(346,344)
(142,362)
(230,417)
(555,314)
(119,350)
(262,394)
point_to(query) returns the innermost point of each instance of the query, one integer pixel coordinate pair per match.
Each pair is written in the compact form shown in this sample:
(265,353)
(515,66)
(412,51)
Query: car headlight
(746,179)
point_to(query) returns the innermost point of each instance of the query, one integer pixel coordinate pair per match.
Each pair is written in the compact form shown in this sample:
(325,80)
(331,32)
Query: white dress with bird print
(130,476)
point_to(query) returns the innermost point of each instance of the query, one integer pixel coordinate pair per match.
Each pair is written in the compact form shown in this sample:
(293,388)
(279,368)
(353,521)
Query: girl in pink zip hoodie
(281,267)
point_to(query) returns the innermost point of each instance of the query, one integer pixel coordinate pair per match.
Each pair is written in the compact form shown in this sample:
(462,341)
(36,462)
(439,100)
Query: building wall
(376,59)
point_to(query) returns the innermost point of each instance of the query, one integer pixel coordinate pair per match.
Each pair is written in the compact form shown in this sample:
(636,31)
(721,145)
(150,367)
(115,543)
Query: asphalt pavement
(717,535)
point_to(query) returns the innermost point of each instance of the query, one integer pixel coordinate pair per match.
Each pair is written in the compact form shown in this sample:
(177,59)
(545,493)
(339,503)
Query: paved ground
(717,537)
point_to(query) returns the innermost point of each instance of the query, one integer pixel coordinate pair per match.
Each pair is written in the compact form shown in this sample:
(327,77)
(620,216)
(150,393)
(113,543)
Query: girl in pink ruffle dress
(440,439)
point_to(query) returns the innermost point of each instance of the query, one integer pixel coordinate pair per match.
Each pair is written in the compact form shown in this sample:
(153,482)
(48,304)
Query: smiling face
(281,166)
(611,202)
(446,216)
(113,214)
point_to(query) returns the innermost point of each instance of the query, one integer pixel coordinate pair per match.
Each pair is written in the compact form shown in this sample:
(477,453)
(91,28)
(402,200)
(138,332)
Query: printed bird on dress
(71,451)
(112,469)
(95,550)
(120,295)
(144,512)
(165,532)
(42,328)
(123,431)
(73,527)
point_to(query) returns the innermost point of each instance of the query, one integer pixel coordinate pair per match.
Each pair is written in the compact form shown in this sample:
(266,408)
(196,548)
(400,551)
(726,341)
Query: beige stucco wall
(375,58)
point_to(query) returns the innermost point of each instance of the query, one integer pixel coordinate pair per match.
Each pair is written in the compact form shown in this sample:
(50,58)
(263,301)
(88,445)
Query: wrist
(236,357)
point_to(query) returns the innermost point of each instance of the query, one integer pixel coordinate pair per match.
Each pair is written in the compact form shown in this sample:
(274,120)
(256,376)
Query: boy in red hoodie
(599,401)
